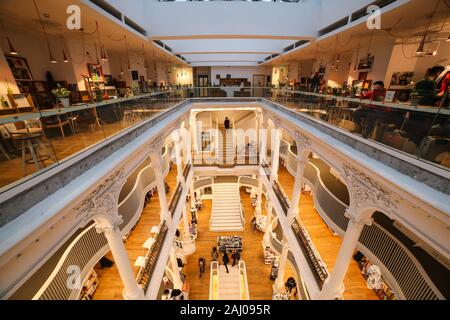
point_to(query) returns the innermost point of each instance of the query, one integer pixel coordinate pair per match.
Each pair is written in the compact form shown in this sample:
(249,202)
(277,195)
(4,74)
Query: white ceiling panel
(224,57)
(228,45)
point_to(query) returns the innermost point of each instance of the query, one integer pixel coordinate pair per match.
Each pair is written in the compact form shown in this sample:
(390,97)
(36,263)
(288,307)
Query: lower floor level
(259,278)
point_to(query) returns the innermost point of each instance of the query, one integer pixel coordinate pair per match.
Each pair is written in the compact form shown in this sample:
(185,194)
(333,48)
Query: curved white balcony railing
(276,245)
(89,246)
(186,247)
(408,278)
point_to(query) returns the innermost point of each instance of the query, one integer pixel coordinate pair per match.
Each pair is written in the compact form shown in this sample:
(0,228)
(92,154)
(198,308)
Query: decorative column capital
(109,225)
(103,200)
(176,137)
(302,141)
(354,219)
(365,191)
(156,145)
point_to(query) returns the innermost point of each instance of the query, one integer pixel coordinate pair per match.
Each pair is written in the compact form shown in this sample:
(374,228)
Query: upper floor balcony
(380,168)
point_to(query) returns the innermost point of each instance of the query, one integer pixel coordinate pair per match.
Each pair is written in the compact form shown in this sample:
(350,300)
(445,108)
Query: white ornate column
(177,142)
(268,231)
(258,207)
(257,125)
(177,283)
(192,194)
(193,125)
(155,156)
(302,161)
(187,141)
(101,206)
(365,194)
(186,221)
(263,140)
(279,282)
(131,291)
(333,286)
(276,141)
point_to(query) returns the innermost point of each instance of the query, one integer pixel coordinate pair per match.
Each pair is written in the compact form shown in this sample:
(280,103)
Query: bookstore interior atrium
(224,150)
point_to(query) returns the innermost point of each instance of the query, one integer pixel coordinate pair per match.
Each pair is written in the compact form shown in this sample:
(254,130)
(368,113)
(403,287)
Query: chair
(29,134)
(57,122)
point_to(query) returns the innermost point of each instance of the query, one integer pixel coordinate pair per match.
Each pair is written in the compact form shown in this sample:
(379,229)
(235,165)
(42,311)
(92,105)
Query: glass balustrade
(34,142)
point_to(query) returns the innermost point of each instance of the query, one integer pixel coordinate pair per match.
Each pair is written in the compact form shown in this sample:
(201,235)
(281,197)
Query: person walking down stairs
(236,257)
(201,265)
(214,254)
(225,260)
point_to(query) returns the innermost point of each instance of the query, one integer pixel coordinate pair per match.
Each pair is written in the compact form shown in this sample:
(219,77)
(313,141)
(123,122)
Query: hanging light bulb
(65,56)
(12,50)
(11,47)
(52,57)
(103,56)
(421,46)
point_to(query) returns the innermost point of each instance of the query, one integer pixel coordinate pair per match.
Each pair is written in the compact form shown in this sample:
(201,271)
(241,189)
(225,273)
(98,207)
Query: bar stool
(30,138)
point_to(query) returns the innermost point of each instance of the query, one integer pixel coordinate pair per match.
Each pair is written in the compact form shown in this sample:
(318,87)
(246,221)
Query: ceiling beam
(228,52)
(228,36)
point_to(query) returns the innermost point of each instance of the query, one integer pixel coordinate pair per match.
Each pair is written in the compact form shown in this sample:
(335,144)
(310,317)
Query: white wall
(238,72)
(404,59)
(32,46)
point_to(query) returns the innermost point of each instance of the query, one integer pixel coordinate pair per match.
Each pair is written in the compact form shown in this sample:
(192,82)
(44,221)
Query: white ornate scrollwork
(103,200)
(156,144)
(303,142)
(367,192)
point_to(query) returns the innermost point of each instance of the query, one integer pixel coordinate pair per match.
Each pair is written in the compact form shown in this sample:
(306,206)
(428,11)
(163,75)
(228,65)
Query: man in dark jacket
(225,260)
(236,257)
(226,123)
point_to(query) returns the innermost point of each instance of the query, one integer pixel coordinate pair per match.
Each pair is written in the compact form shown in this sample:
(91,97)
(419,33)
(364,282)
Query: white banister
(214,281)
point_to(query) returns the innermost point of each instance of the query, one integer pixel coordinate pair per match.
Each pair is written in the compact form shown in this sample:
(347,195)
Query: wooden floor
(326,242)
(260,285)
(61,148)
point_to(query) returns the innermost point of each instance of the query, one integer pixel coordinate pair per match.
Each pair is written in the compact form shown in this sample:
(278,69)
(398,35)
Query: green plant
(61,92)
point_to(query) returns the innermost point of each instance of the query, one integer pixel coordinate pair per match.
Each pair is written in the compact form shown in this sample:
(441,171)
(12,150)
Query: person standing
(214,254)
(201,265)
(315,82)
(236,257)
(225,260)
(226,123)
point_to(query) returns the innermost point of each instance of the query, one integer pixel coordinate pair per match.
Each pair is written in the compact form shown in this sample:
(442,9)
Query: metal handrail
(214,271)
(243,290)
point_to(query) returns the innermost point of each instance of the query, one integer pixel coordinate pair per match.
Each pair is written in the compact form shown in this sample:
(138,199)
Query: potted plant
(62,94)
(98,94)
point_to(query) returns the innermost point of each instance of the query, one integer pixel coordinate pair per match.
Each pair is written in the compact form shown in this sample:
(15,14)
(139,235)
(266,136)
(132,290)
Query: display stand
(275,268)
(280,295)
(269,256)
(227,243)
(89,286)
